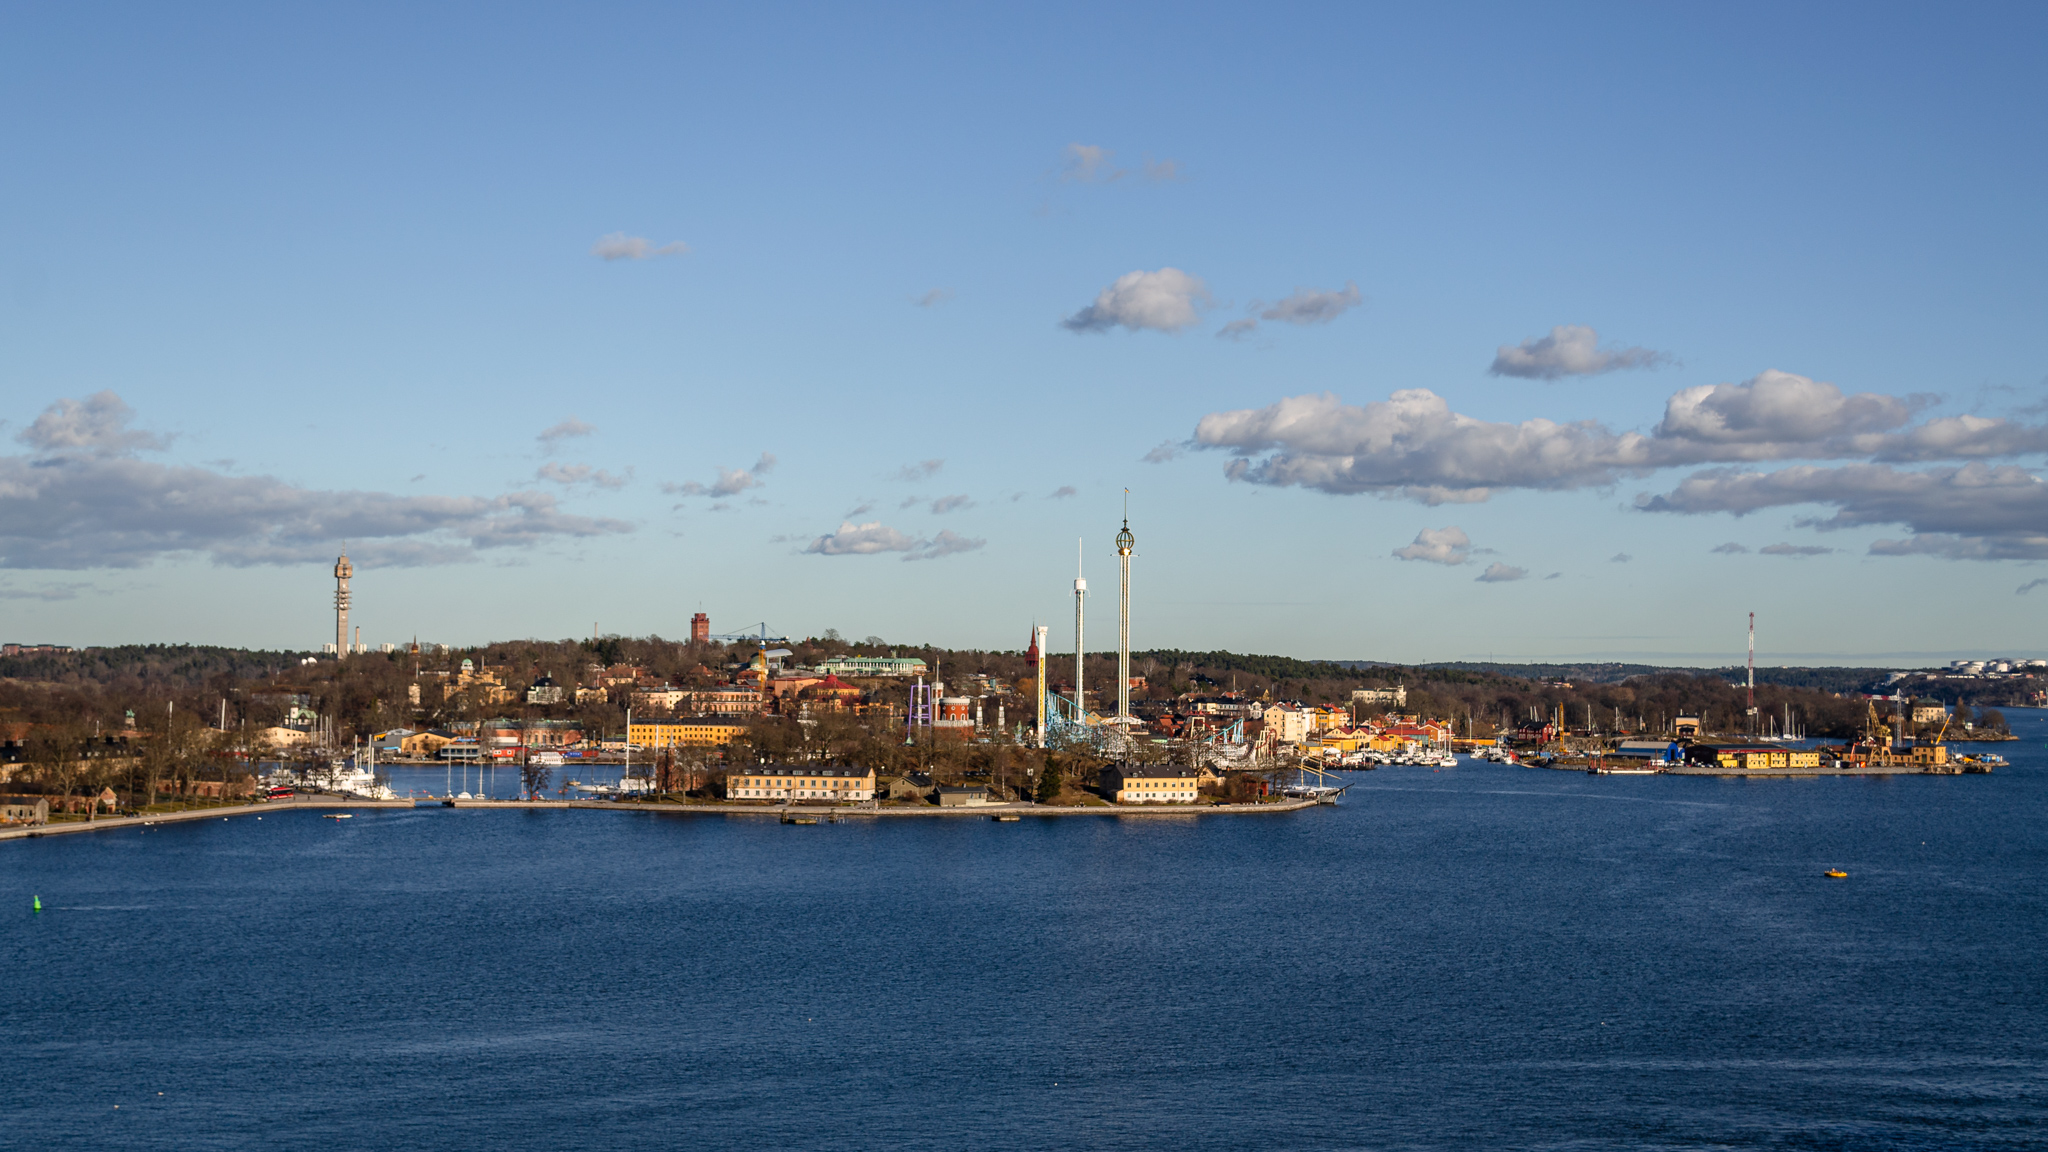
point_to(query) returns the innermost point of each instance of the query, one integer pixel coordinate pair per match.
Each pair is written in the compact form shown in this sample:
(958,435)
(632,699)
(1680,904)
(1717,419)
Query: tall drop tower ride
(1036,654)
(1124,542)
(342,571)
(1080,649)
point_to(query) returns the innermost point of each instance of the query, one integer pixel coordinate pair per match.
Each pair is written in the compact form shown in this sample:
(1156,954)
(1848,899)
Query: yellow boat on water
(1836,874)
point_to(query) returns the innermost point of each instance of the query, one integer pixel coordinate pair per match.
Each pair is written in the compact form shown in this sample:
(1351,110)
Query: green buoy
(39,903)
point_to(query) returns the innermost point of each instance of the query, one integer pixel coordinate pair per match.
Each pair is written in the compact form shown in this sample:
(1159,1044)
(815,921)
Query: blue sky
(1771,278)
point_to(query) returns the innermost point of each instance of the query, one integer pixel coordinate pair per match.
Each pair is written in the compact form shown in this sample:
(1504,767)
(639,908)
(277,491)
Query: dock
(1003,812)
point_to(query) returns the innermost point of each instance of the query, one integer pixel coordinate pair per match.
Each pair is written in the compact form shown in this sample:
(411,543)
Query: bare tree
(533,778)
(56,753)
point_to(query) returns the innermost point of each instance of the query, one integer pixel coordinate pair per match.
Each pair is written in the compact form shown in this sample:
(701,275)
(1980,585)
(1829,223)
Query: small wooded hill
(168,665)
(369,692)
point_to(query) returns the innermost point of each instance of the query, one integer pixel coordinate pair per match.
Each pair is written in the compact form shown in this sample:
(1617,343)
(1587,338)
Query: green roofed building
(874,666)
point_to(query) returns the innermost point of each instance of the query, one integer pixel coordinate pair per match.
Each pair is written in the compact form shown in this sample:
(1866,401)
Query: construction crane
(759,636)
(761,640)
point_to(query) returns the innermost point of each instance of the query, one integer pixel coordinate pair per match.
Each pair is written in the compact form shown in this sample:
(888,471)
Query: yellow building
(782,782)
(424,744)
(281,737)
(1139,784)
(1750,757)
(691,733)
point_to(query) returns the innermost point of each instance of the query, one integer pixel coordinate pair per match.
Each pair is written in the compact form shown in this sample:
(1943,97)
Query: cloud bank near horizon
(1413,446)
(83,498)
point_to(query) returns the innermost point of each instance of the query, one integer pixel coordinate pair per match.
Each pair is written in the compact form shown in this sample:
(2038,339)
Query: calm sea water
(1484,956)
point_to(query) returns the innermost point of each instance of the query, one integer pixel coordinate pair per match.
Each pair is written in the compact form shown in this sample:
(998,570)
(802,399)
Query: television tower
(1124,541)
(342,571)
(1080,650)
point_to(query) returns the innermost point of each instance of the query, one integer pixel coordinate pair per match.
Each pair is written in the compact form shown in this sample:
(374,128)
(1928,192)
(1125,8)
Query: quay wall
(714,808)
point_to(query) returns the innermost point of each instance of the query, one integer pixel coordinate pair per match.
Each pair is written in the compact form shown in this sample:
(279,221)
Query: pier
(715,808)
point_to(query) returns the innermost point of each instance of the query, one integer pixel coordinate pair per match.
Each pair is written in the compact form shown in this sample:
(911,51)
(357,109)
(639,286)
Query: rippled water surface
(1484,956)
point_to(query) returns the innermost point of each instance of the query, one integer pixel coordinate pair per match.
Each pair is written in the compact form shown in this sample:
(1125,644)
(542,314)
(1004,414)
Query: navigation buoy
(39,903)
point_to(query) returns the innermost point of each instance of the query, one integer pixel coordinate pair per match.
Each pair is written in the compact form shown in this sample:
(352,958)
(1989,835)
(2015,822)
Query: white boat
(545,759)
(1311,791)
(346,777)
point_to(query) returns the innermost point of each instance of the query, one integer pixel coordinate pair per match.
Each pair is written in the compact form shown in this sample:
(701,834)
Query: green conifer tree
(1049,781)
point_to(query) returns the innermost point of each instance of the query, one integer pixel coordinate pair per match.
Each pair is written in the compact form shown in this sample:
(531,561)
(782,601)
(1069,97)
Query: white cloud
(874,537)
(1777,415)
(730,482)
(922,470)
(1498,573)
(1438,546)
(1971,512)
(1731,548)
(1169,450)
(99,424)
(933,298)
(946,543)
(619,246)
(1312,306)
(861,540)
(1793,550)
(569,475)
(1164,171)
(945,504)
(89,511)
(1569,350)
(1305,306)
(1413,445)
(568,429)
(1089,163)
(1963,438)
(1167,300)
(55,592)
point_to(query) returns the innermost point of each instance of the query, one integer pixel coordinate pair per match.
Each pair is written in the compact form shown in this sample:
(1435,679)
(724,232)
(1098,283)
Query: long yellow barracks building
(819,782)
(694,733)
(1133,784)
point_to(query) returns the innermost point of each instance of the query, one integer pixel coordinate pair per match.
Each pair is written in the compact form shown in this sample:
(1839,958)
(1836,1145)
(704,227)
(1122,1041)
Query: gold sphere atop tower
(1124,540)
